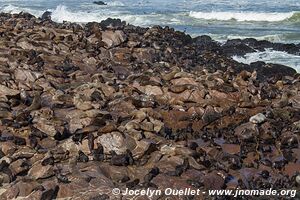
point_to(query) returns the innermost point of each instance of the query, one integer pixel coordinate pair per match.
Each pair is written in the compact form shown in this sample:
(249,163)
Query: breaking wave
(246,16)
(61,13)
(14,10)
(220,25)
(271,56)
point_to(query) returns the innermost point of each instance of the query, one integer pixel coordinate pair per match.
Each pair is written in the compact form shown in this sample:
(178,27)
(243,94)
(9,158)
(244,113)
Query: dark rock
(33,142)
(3,166)
(132,184)
(125,179)
(112,23)
(77,138)
(1,154)
(289,48)
(261,45)
(205,42)
(101,3)
(82,157)
(179,169)
(265,174)
(213,181)
(266,71)
(26,15)
(19,141)
(100,197)
(153,173)
(48,161)
(236,47)
(91,142)
(136,101)
(46,15)
(62,178)
(122,160)
(50,193)
(98,154)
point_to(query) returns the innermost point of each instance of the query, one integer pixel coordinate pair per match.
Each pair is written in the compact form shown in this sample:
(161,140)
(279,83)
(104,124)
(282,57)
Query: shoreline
(244,45)
(64,13)
(88,109)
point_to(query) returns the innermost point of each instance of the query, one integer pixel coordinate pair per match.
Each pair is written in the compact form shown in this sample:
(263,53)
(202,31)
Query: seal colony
(88,108)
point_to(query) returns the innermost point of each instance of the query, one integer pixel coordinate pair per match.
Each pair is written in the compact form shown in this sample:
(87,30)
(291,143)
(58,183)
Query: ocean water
(273,20)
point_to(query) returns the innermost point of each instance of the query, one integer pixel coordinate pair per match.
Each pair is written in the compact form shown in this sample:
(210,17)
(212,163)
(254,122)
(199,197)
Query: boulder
(46,15)
(113,38)
(38,171)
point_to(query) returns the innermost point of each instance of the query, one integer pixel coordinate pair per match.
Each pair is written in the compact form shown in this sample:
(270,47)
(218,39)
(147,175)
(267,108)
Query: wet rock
(46,15)
(236,47)
(101,3)
(206,43)
(112,23)
(272,70)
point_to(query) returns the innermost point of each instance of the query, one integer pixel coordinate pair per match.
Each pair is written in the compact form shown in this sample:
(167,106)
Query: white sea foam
(271,56)
(10,9)
(272,38)
(61,13)
(242,16)
(88,12)
(14,9)
(115,3)
(223,38)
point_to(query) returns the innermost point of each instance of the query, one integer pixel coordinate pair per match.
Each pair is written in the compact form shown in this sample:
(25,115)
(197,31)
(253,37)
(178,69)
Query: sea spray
(271,56)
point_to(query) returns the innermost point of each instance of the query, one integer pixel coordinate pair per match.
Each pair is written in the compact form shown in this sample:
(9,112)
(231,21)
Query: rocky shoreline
(88,108)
